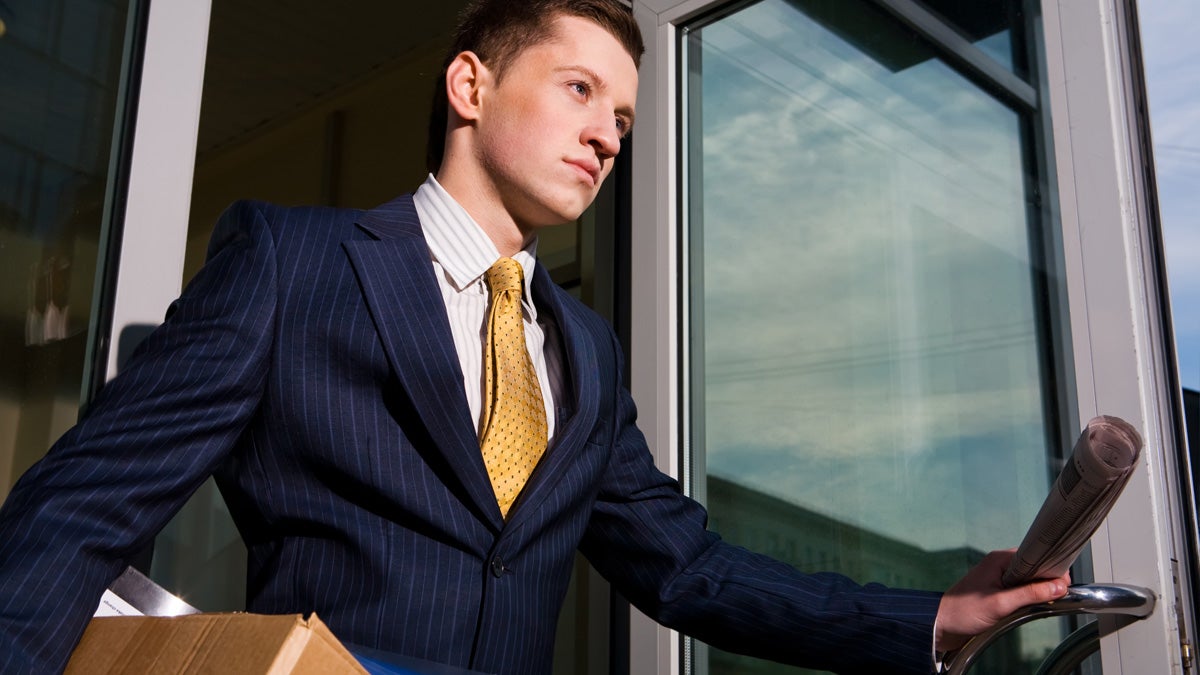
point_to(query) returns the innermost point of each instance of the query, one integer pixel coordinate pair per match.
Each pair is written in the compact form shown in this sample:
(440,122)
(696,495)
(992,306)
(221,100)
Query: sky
(1171,55)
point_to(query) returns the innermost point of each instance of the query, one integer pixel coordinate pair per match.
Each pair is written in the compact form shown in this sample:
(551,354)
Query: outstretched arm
(978,600)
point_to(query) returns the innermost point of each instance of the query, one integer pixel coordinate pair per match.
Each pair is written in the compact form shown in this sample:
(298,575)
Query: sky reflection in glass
(870,335)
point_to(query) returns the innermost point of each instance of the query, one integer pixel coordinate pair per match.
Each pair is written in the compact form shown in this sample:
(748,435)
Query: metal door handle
(1132,601)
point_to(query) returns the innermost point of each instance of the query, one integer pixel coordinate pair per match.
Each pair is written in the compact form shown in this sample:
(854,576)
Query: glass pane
(869,387)
(60,70)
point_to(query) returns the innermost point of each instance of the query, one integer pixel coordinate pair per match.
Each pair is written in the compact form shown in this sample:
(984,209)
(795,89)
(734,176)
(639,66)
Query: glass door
(65,72)
(871,300)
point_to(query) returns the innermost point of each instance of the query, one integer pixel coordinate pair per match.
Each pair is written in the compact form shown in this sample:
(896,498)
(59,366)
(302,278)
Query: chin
(566,209)
(567,213)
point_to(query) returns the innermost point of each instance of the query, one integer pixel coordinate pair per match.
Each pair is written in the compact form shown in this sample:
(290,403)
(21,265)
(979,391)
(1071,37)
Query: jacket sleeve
(150,438)
(652,543)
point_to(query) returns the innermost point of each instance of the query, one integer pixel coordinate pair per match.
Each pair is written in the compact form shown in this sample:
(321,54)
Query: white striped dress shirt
(461,252)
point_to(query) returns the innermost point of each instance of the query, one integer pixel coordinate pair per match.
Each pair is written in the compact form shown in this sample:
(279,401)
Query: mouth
(589,170)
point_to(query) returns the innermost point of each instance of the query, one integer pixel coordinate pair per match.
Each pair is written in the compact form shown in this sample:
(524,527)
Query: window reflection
(869,389)
(60,67)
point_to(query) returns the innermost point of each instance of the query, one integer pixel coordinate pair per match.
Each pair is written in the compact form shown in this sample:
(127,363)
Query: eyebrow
(601,85)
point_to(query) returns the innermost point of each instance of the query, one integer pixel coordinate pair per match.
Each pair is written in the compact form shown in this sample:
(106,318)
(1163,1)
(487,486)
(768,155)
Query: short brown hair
(497,31)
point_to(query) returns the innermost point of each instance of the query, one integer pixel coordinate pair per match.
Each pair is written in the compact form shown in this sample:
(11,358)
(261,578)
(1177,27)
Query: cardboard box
(228,644)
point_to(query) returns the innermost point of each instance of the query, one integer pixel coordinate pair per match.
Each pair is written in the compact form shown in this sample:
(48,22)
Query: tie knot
(505,275)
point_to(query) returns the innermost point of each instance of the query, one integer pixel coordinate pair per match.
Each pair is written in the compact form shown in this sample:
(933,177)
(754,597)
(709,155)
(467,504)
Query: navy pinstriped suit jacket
(310,367)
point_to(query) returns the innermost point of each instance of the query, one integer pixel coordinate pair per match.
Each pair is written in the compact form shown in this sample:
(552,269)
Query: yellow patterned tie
(513,435)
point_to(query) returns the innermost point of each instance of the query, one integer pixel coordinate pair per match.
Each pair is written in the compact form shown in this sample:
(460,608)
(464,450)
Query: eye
(580,88)
(624,125)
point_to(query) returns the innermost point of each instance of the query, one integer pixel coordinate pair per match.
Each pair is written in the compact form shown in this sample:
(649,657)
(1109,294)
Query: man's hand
(978,600)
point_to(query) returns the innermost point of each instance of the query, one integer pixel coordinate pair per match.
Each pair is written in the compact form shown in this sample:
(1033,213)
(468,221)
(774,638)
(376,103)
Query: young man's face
(550,128)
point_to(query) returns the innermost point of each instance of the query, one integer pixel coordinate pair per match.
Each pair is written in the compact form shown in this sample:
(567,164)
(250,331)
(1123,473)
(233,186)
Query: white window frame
(163,158)
(1115,325)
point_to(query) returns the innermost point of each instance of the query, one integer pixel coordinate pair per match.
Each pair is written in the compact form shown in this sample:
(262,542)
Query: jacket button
(497,567)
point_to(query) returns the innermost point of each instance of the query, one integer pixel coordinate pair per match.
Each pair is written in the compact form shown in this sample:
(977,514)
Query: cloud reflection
(870,335)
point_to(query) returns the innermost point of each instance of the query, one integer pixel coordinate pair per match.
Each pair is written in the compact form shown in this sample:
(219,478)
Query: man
(392,461)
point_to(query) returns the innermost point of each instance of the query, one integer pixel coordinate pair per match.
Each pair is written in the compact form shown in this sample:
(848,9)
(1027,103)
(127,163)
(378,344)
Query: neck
(482,201)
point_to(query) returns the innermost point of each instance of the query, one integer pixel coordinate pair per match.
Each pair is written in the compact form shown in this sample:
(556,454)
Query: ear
(466,78)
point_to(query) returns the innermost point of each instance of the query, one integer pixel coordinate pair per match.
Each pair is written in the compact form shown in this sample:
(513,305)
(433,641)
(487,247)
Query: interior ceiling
(271,59)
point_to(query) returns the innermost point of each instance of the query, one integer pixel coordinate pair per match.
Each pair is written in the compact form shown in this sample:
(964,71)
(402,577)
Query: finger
(1031,594)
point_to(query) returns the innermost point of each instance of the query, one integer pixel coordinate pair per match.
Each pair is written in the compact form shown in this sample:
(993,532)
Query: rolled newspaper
(1097,470)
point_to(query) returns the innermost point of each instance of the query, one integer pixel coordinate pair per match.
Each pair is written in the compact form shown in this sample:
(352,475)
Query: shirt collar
(459,244)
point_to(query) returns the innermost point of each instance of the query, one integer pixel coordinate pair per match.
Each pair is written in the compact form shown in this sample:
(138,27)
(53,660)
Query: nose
(602,134)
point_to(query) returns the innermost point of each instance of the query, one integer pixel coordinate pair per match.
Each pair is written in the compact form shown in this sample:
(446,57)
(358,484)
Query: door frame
(1107,226)
(163,157)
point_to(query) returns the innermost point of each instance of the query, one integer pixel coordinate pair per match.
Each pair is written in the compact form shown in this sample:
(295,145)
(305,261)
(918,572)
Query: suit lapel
(402,295)
(582,372)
